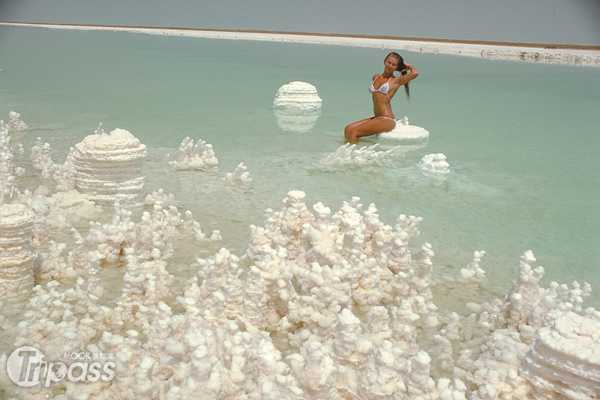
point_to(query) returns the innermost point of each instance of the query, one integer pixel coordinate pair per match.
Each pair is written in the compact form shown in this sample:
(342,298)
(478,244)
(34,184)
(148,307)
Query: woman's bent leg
(368,127)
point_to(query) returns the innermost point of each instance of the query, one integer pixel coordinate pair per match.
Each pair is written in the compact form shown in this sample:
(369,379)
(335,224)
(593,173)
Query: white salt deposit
(297,95)
(297,106)
(108,167)
(349,154)
(434,163)
(566,357)
(405,132)
(320,305)
(240,175)
(16,256)
(14,122)
(199,156)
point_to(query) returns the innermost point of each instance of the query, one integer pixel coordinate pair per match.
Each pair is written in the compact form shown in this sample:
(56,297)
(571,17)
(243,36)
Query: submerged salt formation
(297,106)
(405,132)
(16,256)
(14,122)
(434,164)
(239,176)
(349,154)
(108,167)
(199,156)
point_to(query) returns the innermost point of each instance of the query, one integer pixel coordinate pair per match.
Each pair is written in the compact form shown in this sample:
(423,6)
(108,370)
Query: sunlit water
(522,139)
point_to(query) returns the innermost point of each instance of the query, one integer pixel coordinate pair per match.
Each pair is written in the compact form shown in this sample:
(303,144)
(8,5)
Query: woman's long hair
(401,66)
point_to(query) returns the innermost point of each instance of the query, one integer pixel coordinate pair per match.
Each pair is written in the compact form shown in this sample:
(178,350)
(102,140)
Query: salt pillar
(109,167)
(297,106)
(16,256)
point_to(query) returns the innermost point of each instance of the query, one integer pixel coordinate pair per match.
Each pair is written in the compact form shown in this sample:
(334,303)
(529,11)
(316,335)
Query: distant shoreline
(382,37)
(538,52)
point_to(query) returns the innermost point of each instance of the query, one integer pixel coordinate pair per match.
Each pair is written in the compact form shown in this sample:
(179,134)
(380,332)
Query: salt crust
(321,305)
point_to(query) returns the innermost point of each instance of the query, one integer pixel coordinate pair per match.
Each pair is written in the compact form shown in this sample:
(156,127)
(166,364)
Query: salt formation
(14,122)
(16,256)
(321,305)
(405,132)
(353,154)
(297,106)
(298,96)
(435,164)
(570,338)
(240,175)
(108,167)
(200,156)
(9,171)
(41,155)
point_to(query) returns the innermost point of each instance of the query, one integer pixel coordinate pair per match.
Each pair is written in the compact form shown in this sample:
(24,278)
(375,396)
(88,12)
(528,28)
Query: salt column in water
(109,167)
(16,256)
(297,106)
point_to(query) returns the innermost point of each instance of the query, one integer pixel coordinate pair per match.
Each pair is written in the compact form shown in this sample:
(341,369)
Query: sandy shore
(534,52)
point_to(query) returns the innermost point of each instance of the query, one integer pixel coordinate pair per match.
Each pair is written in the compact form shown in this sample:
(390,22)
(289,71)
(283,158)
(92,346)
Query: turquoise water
(522,139)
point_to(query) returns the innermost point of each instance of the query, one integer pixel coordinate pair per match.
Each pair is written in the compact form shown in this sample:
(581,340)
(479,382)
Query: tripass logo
(27,367)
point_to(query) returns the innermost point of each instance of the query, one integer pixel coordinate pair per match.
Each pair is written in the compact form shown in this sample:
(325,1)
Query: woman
(384,87)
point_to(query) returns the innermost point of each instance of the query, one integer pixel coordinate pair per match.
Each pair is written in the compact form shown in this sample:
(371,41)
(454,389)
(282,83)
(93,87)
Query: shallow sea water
(522,139)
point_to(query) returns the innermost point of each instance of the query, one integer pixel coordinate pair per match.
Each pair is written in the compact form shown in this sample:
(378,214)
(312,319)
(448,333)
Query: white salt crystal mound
(566,357)
(297,106)
(14,122)
(239,176)
(109,167)
(198,156)
(405,132)
(16,256)
(298,96)
(435,163)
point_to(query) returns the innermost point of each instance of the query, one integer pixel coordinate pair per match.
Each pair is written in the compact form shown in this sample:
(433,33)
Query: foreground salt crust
(321,305)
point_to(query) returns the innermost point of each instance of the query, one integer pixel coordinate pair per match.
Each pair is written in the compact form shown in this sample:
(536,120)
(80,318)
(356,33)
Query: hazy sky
(538,21)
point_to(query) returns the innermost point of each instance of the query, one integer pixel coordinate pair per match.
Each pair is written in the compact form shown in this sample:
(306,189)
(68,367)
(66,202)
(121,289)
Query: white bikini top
(385,88)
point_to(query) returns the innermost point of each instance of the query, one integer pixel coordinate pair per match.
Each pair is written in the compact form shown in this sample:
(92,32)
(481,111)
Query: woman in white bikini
(384,87)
